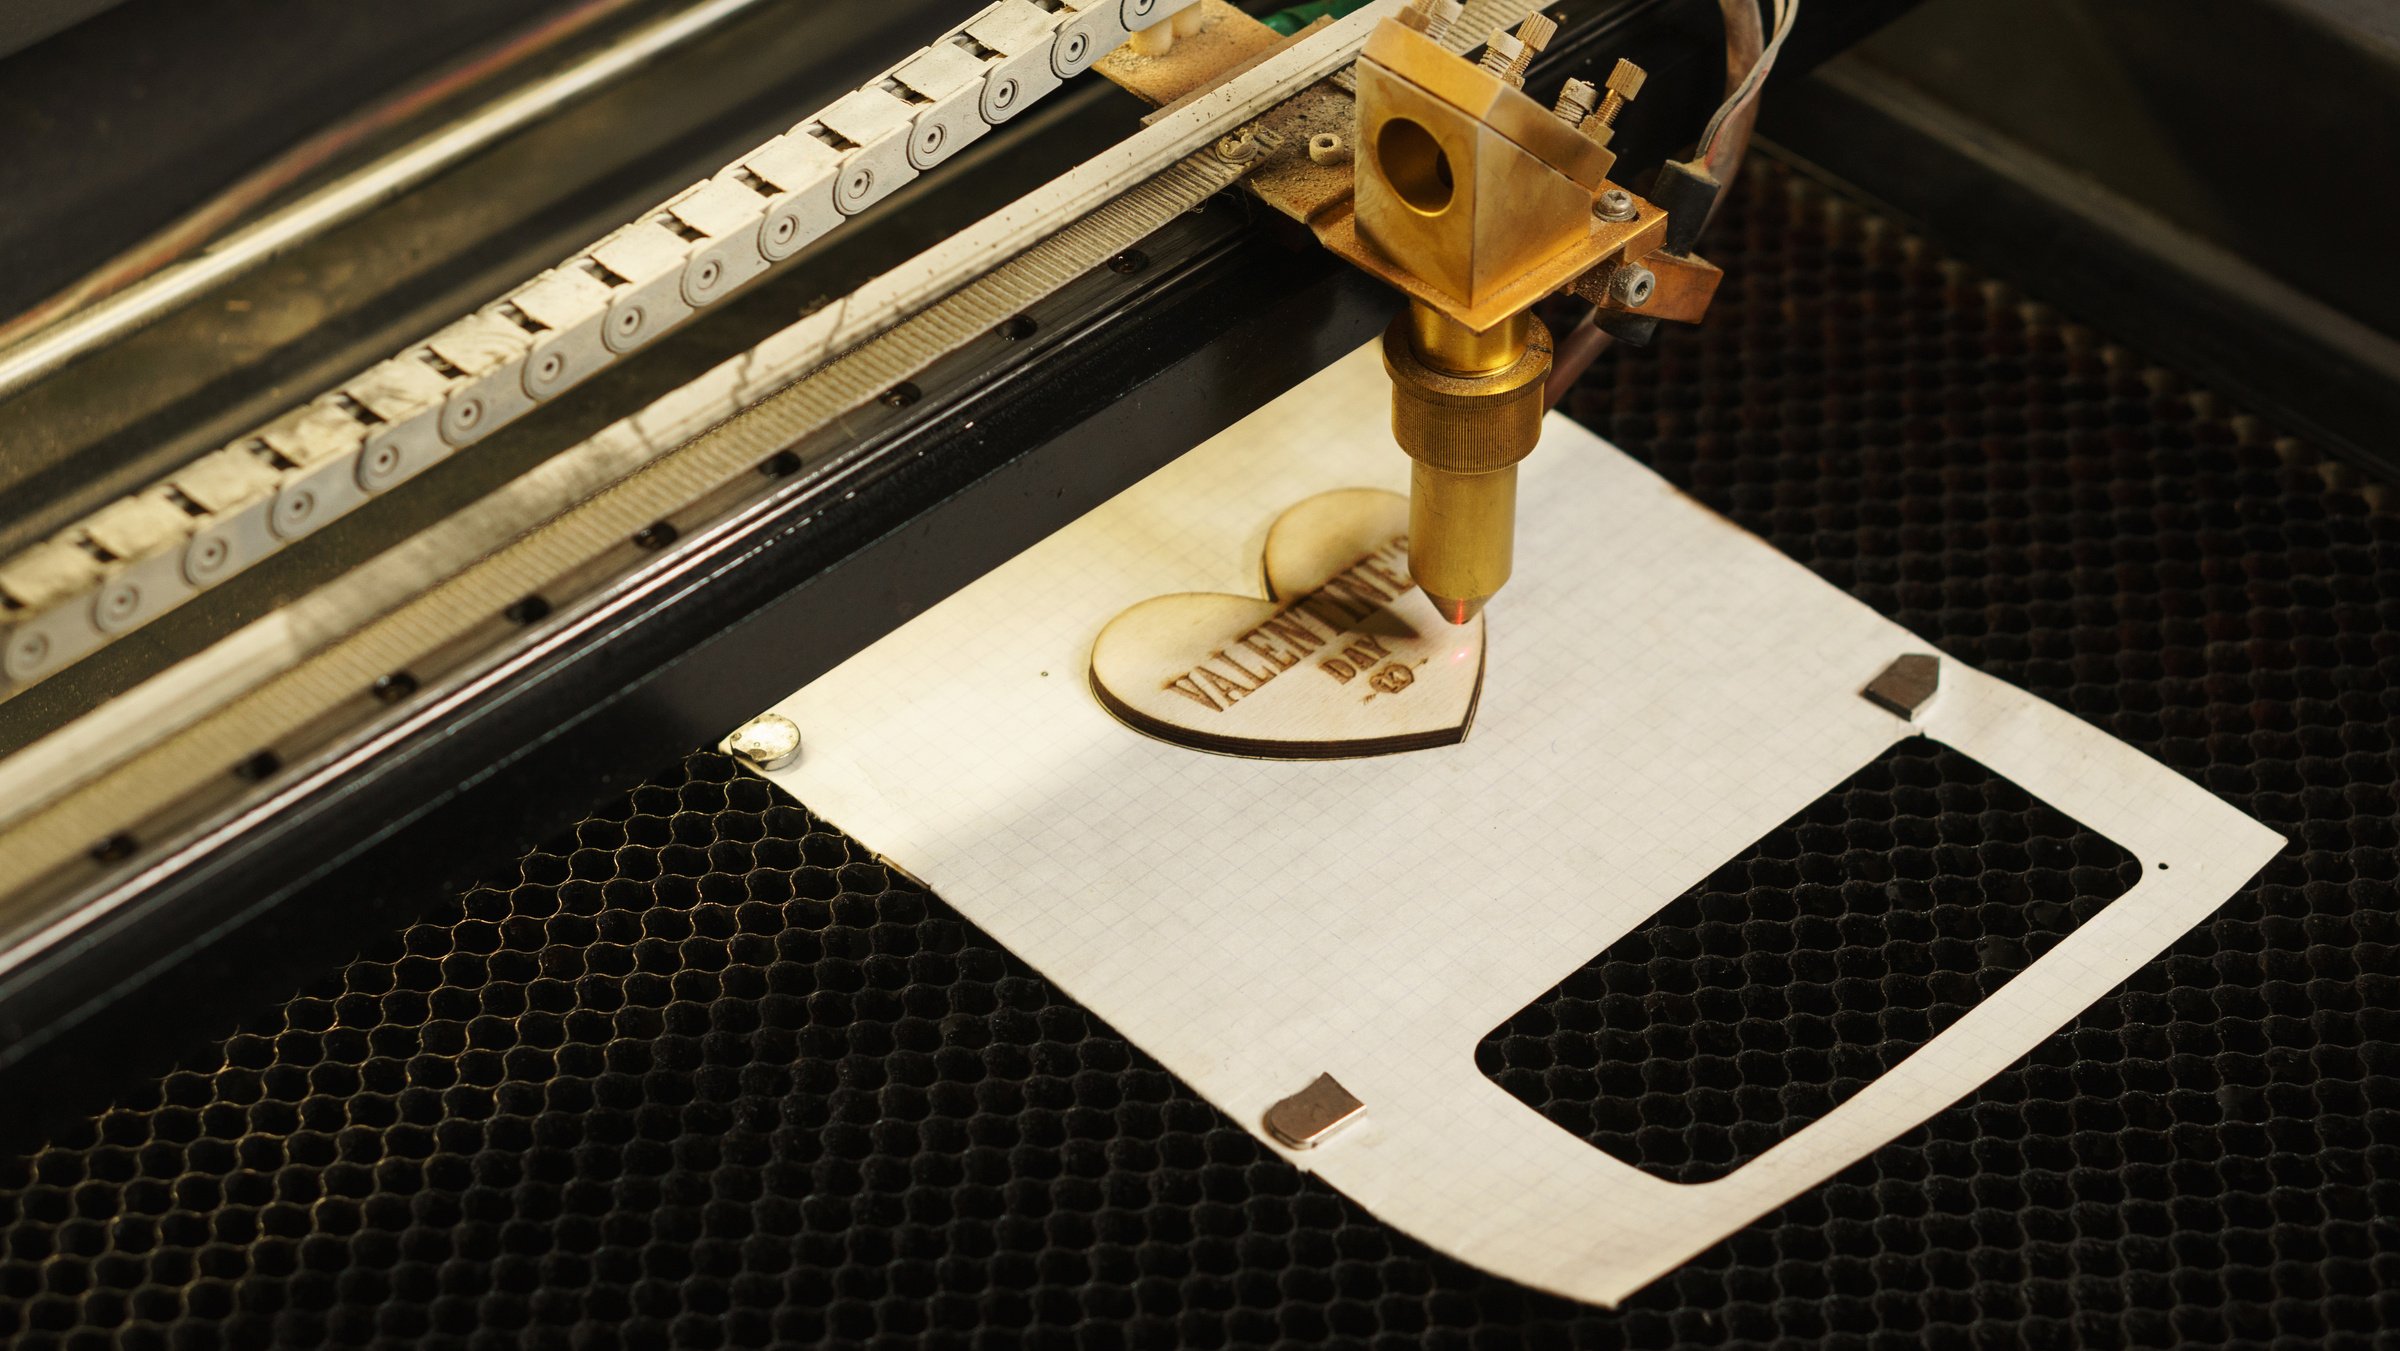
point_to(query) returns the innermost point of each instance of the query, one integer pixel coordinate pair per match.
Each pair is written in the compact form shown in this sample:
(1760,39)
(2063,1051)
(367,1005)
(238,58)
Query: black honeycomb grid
(1807,965)
(707,1075)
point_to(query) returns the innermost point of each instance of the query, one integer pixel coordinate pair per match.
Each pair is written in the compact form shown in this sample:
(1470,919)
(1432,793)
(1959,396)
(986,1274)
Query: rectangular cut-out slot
(1806,966)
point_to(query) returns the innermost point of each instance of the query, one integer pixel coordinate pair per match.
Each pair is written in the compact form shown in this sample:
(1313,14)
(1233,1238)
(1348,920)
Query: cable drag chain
(143,555)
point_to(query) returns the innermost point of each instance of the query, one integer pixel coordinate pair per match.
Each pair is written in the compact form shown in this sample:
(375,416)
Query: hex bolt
(769,741)
(1616,204)
(1631,285)
(1328,149)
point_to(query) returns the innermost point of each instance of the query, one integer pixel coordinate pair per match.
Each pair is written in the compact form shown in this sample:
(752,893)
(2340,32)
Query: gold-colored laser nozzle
(1462,536)
(1457,611)
(1466,406)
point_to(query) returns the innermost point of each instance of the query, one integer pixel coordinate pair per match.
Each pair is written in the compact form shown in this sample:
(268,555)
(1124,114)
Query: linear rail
(689,444)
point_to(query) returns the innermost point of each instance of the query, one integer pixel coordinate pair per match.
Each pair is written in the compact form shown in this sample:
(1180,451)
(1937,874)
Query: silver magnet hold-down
(1304,1119)
(767,742)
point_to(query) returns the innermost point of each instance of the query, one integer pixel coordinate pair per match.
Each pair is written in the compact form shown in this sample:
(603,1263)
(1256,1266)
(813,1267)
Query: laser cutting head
(1477,201)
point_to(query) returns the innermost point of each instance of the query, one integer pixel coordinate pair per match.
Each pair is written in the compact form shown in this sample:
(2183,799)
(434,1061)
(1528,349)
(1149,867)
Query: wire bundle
(1744,94)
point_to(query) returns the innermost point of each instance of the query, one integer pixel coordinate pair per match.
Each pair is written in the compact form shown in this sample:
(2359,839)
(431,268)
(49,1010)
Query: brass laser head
(1466,189)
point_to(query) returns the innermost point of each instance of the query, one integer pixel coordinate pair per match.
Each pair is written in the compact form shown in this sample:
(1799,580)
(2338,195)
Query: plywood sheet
(1661,689)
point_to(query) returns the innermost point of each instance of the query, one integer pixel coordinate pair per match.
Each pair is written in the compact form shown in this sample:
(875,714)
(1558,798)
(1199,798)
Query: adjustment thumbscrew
(1624,86)
(1508,57)
(1624,83)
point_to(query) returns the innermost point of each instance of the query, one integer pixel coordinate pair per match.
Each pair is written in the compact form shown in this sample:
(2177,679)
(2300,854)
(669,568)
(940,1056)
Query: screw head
(259,767)
(1631,285)
(115,849)
(26,654)
(767,742)
(1616,204)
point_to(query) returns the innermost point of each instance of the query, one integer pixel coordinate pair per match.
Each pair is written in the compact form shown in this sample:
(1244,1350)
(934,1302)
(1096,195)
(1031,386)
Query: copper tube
(1576,352)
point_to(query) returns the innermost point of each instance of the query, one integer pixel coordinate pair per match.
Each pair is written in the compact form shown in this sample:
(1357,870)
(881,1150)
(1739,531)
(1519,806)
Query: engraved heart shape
(1344,658)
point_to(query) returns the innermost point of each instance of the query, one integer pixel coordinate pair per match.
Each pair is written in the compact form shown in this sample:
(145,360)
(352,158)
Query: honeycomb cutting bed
(1821,956)
(704,1074)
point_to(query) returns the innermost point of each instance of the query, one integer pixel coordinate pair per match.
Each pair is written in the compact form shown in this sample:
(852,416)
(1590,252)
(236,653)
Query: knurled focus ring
(1467,424)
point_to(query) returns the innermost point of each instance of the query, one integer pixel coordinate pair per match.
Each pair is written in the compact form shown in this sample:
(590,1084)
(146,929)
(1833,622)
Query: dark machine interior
(2063,333)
